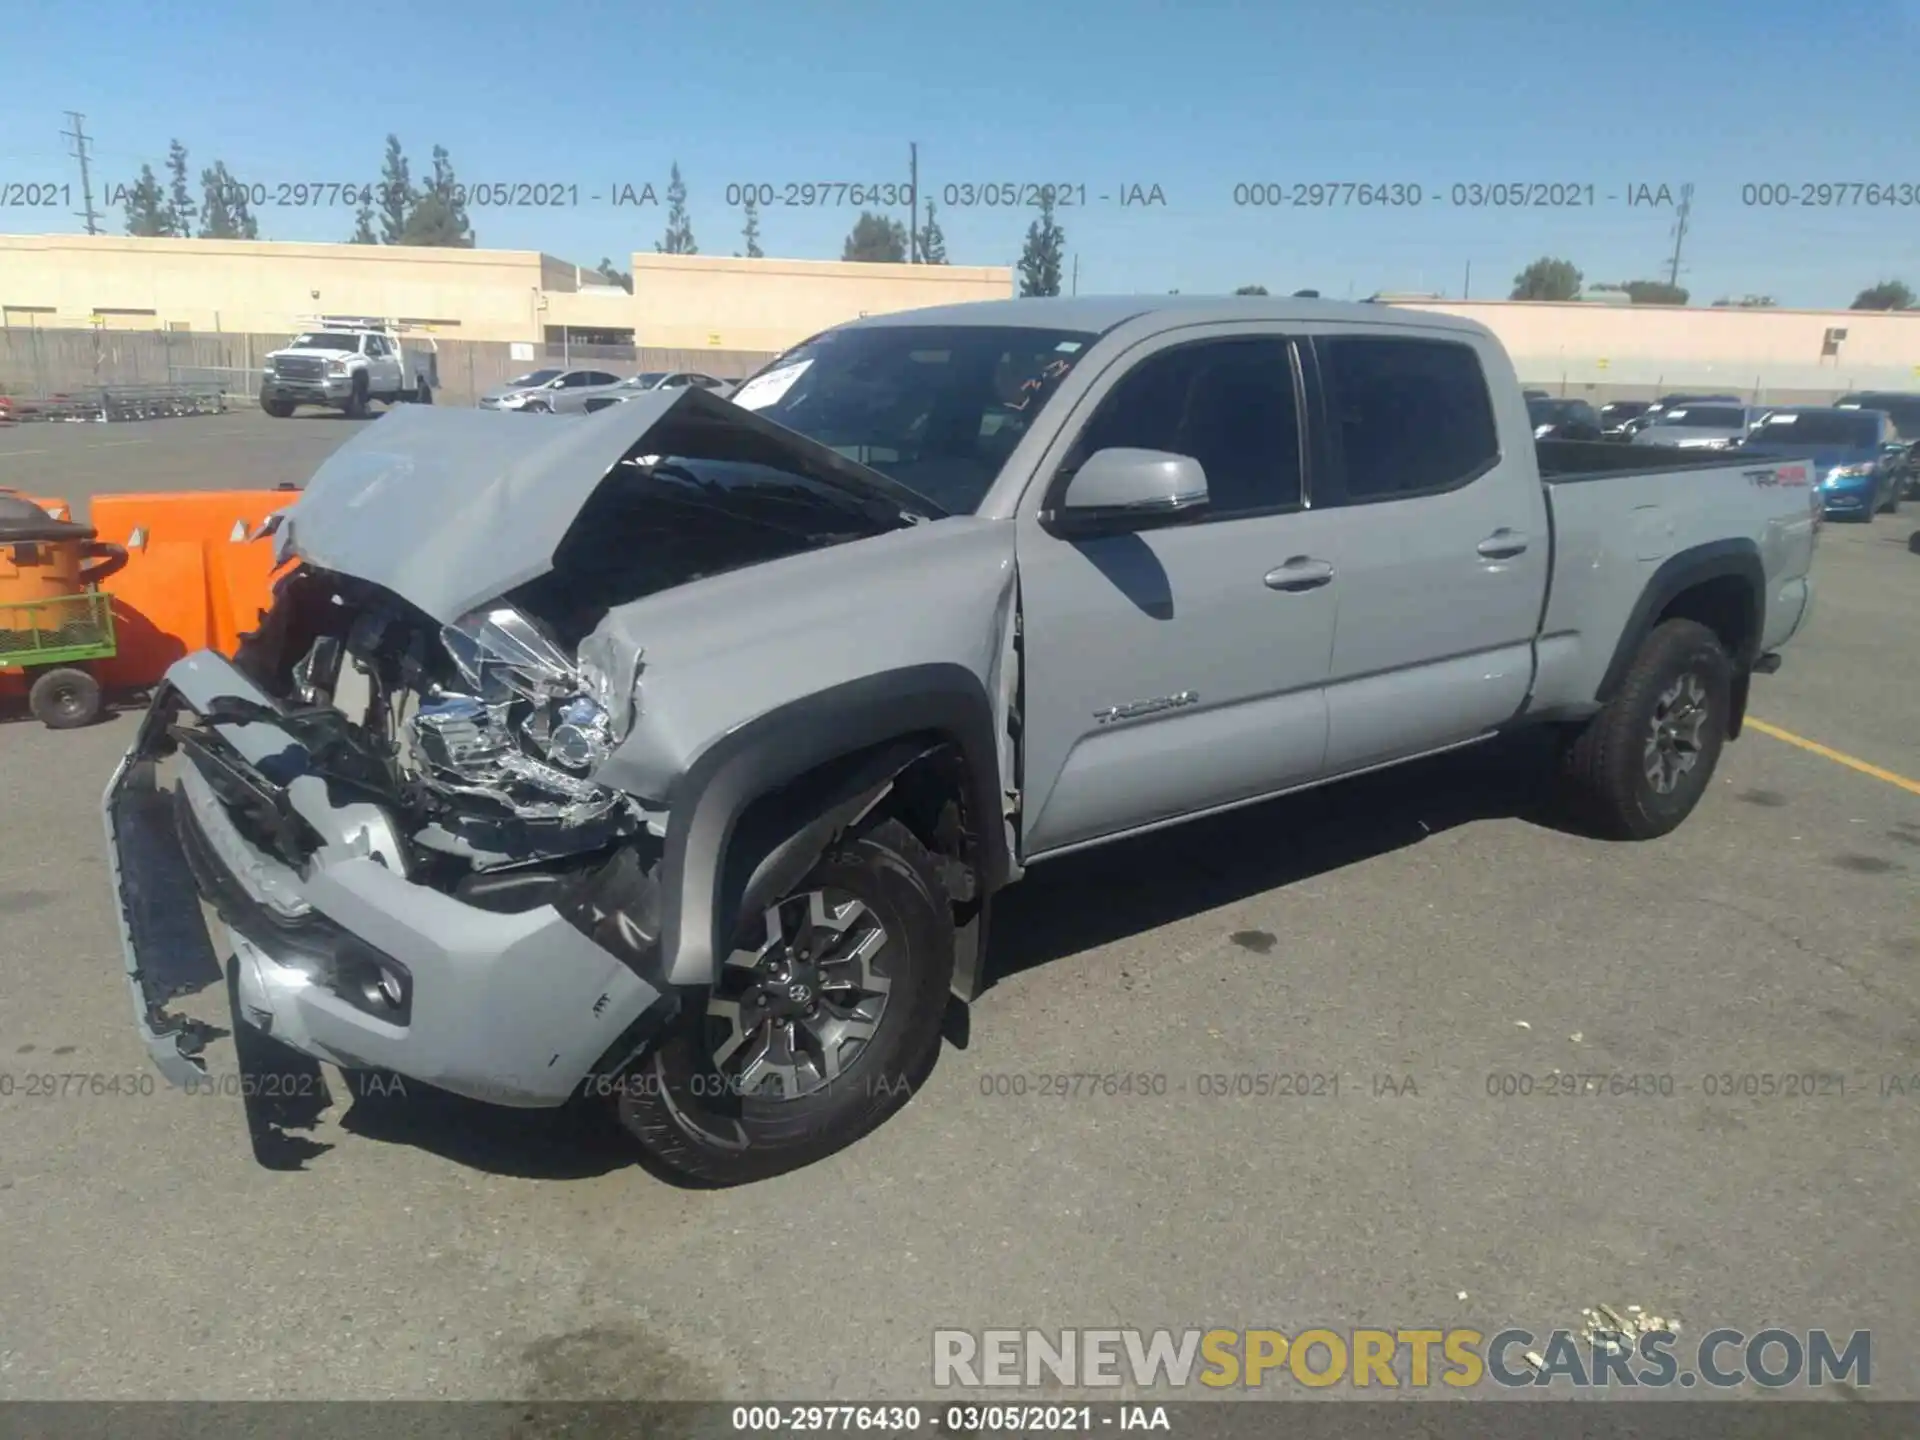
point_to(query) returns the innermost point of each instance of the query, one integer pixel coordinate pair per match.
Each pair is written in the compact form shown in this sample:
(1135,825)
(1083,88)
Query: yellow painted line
(1838,757)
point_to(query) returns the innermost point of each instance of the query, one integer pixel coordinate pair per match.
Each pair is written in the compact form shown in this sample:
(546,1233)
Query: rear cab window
(1406,416)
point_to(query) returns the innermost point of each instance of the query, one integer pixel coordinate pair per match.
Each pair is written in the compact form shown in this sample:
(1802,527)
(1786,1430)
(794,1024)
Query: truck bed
(1562,461)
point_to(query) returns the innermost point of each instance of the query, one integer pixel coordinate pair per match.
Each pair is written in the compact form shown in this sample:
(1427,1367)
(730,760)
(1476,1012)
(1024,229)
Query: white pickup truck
(345,366)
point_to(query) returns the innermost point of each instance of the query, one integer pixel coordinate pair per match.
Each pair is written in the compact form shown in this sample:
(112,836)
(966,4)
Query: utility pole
(1076,273)
(79,138)
(913,198)
(1466,287)
(1680,231)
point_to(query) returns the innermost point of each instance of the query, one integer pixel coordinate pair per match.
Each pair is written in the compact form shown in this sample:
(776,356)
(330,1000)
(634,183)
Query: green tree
(224,212)
(439,217)
(679,237)
(1040,257)
(146,205)
(875,239)
(614,275)
(363,232)
(1251,290)
(1655,292)
(1887,295)
(1547,279)
(933,241)
(750,229)
(397,197)
(180,206)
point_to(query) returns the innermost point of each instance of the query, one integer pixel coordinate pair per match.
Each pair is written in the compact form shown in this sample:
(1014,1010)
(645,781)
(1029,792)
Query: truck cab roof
(1100,313)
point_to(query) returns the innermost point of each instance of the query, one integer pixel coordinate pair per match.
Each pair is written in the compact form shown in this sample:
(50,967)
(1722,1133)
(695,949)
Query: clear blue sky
(1193,96)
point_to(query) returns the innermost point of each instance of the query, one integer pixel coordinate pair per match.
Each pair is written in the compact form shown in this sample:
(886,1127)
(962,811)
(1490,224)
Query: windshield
(1817,427)
(324,340)
(938,408)
(1705,417)
(534,377)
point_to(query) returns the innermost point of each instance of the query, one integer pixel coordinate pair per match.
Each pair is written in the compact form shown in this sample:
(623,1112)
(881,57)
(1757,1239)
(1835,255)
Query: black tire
(694,1123)
(356,407)
(1607,764)
(423,394)
(537,407)
(64,698)
(278,409)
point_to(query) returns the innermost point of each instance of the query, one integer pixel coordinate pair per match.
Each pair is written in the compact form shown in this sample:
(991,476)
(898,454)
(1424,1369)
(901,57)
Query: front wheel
(1640,766)
(278,409)
(356,407)
(819,1027)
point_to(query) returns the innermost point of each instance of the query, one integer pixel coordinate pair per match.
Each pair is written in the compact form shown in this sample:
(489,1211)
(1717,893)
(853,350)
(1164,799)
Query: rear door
(1438,543)
(1179,668)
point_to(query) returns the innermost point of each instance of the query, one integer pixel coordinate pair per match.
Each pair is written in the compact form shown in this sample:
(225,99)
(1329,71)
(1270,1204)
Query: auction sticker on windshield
(765,390)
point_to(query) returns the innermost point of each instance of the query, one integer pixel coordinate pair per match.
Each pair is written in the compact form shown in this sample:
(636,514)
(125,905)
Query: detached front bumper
(341,957)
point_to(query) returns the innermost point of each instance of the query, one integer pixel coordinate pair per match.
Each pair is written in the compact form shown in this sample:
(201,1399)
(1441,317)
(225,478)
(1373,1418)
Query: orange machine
(193,578)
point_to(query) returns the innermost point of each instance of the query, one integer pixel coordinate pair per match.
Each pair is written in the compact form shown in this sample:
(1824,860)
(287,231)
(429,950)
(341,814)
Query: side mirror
(1120,490)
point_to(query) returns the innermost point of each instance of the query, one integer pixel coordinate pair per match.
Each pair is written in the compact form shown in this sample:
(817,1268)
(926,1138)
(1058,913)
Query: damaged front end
(395,794)
(394,820)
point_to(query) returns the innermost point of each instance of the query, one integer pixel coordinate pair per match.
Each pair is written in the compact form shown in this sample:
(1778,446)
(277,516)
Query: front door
(1181,667)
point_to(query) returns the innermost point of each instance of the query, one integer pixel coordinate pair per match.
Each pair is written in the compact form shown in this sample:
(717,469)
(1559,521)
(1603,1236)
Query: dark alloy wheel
(821,1023)
(64,698)
(1640,766)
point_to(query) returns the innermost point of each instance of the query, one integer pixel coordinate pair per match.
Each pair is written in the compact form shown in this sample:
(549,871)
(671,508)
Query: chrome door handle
(1302,572)
(1502,544)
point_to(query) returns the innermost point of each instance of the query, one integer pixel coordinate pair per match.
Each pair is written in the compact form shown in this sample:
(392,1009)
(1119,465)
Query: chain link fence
(38,364)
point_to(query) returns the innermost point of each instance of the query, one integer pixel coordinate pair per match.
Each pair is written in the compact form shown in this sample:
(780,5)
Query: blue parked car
(1857,454)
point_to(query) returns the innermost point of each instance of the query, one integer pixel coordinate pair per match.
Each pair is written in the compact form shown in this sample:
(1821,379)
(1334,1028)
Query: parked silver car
(653,380)
(552,391)
(1701,427)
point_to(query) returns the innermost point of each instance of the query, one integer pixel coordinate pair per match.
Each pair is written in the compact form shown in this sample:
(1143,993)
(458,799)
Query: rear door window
(1405,416)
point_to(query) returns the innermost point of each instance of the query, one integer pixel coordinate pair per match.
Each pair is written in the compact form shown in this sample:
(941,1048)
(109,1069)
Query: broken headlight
(523,728)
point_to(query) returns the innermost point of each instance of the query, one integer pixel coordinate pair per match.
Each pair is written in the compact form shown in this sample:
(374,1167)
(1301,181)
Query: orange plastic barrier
(193,579)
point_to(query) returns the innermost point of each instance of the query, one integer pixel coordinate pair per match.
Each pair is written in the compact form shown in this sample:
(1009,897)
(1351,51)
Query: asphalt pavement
(1414,946)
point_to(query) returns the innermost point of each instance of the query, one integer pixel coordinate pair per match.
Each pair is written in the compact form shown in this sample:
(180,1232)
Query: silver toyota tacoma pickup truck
(677,755)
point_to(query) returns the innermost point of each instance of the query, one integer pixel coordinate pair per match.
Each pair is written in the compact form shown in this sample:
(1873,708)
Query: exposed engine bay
(480,736)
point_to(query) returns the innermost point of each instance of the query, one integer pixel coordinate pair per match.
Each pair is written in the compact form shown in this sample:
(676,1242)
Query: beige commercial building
(255,287)
(1603,348)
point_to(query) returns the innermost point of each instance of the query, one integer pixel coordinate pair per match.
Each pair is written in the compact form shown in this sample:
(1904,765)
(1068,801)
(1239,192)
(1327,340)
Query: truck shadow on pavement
(1078,902)
(1062,908)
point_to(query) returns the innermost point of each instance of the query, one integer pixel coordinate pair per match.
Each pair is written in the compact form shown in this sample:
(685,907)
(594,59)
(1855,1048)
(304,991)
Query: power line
(79,138)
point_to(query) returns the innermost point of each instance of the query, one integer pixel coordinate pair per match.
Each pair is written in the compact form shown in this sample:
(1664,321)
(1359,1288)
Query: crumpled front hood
(452,508)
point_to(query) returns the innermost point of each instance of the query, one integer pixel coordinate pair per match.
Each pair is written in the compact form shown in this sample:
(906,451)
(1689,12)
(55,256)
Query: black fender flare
(1738,557)
(845,744)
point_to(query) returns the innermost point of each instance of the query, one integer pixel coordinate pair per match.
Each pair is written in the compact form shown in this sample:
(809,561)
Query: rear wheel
(1640,766)
(820,1025)
(423,394)
(64,698)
